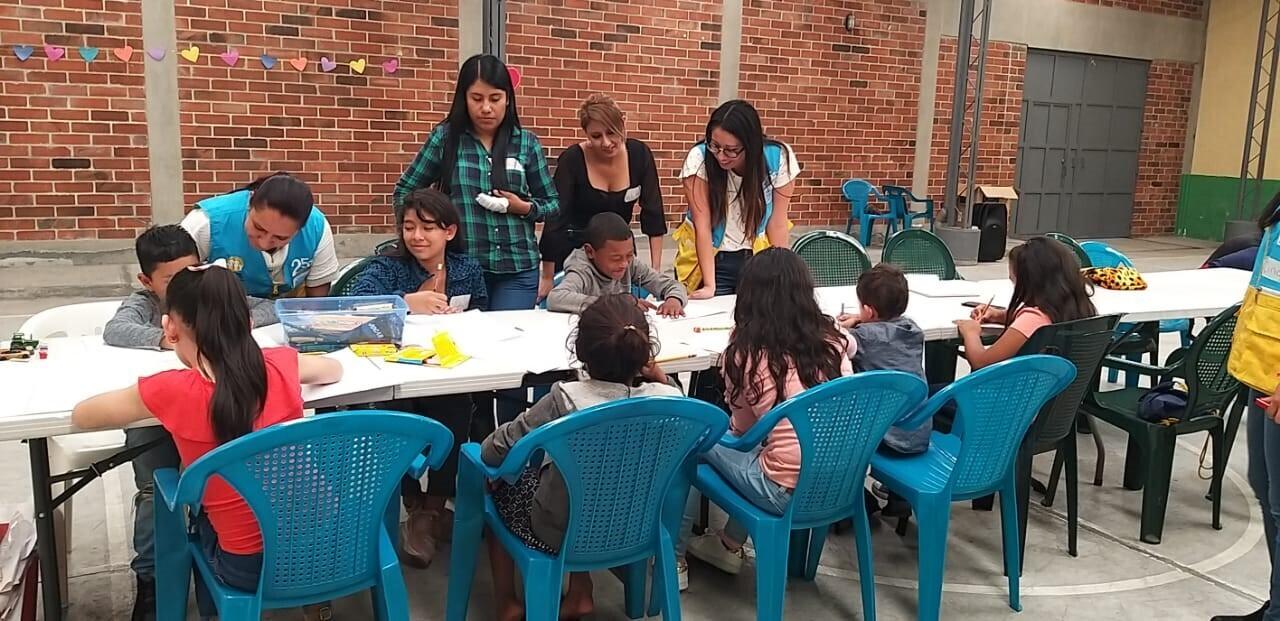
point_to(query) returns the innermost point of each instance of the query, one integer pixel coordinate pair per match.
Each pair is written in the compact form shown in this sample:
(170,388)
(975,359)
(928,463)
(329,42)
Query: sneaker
(710,550)
(1253,616)
(144,600)
(417,538)
(317,612)
(682,574)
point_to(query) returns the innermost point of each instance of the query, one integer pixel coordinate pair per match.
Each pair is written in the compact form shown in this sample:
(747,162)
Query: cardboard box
(992,193)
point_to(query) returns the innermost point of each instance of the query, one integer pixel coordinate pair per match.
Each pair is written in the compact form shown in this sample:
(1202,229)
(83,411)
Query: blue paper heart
(89,54)
(268,61)
(23,52)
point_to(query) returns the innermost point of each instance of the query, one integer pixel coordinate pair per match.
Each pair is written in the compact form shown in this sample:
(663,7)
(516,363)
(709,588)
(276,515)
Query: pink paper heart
(156,53)
(123,53)
(231,57)
(327,65)
(515,77)
(391,65)
(54,53)
(298,63)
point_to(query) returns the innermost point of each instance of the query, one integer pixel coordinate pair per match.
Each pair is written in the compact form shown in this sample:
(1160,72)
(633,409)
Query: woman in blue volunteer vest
(737,201)
(271,235)
(1255,361)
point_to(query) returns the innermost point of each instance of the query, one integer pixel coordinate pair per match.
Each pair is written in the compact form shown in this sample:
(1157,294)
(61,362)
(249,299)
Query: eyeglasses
(716,149)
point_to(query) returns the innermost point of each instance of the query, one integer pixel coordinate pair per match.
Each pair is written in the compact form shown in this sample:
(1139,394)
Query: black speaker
(993,220)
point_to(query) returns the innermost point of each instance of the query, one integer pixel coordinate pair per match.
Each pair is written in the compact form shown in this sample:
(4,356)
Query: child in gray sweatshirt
(606,265)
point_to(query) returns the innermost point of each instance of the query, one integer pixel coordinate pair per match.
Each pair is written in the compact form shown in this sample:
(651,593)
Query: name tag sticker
(460,302)
(632,195)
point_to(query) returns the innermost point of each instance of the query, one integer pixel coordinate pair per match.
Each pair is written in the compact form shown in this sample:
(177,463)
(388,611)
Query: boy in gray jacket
(887,341)
(606,265)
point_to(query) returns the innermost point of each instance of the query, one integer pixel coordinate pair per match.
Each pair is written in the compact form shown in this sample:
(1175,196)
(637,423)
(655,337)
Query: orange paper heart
(123,53)
(298,63)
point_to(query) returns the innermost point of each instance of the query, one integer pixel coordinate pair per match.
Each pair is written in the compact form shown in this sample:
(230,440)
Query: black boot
(1253,616)
(144,600)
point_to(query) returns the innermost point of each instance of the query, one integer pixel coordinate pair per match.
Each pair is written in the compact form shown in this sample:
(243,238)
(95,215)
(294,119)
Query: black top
(580,201)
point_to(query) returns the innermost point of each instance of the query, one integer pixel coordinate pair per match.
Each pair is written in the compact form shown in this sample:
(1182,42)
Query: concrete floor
(1195,573)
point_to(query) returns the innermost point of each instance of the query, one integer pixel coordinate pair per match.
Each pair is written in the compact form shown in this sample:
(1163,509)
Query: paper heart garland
(192,54)
(268,61)
(123,53)
(391,65)
(23,52)
(156,53)
(298,63)
(231,57)
(357,65)
(327,65)
(89,54)
(515,77)
(54,53)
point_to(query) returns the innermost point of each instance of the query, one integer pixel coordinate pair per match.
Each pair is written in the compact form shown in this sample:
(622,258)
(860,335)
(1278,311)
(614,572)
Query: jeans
(1264,478)
(744,473)
(163,455)
(729,269)
(454,412)
(517,291)
(238,571)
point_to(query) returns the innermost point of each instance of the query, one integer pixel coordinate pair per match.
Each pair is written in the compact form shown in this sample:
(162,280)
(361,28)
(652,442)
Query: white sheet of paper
(946,288)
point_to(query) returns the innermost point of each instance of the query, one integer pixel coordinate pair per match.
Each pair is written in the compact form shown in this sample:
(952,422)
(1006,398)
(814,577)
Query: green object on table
(1149,458)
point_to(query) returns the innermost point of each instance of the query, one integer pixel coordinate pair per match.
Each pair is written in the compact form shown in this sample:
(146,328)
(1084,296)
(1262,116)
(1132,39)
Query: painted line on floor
(1179,571)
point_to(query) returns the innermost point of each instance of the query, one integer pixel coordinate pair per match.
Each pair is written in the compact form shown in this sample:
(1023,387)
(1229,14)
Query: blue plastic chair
(555,280)
(994,408)
(858,193)
(1102,255)
(899,198)
(627,465)
(839,424)
(325,492)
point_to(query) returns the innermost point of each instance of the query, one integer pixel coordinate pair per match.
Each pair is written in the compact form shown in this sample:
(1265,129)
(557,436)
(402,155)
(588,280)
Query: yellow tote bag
(1255,350)
(686,264)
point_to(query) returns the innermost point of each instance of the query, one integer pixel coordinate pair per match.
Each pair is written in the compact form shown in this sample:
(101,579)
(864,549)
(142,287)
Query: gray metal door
(1078,150)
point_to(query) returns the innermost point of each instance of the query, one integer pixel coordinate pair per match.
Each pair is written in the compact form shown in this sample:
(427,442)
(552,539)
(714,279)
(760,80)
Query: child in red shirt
(229,389)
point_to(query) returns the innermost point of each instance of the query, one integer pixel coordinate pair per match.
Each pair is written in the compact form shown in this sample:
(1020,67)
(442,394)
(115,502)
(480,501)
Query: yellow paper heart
(192,54)
(357,65)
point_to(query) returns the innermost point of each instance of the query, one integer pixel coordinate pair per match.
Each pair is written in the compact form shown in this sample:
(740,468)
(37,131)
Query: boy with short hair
(162,251)
(888,341)
(606,265)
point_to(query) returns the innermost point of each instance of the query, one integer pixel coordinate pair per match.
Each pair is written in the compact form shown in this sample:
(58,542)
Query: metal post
(1257,130)
(976,125)
(495,28)
(958,96)
(46,538)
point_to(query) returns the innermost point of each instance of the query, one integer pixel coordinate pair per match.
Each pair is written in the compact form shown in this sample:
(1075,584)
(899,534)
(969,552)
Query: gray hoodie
(549,516)
(136,323)
(894,345)
(583,283)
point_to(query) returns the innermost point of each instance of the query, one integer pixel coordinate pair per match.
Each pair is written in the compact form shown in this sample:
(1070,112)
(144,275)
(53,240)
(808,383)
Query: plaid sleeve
(542,189)
(425,167)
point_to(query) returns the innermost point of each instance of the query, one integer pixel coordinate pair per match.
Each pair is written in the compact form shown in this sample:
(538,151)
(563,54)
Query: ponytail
(212,303)
(612,339)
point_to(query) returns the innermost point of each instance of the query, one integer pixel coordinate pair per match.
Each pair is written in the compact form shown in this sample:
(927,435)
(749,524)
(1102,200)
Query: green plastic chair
(1149,459)
(836,259)
(347,278)
(1075,247)
(385,247)
(918,251)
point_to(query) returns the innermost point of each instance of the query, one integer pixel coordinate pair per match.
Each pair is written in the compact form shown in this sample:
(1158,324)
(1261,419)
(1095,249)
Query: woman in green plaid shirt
(499,204)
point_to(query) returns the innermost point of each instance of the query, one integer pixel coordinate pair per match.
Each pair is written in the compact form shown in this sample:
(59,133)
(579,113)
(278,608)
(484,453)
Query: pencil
(712,328)
(674,358)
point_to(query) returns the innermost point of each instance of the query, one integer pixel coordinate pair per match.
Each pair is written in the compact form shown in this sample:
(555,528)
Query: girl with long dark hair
(782,344)
(1047,288)
(229,389)
(738,184)
(495,173)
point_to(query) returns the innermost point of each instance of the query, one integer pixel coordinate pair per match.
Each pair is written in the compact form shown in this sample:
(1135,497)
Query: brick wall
(1191,9)
(845,101)
(73,154)
(660,60)
(1164,135)
(349,135)
(1001,115)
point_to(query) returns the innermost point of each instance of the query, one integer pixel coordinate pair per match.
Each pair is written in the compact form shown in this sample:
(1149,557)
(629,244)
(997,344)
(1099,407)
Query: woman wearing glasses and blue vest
(271,235)
(738,184)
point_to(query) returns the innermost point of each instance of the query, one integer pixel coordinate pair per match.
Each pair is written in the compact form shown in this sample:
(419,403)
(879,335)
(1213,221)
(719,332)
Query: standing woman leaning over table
(495,173)
(738,184)
(609,171)
(1255,361)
